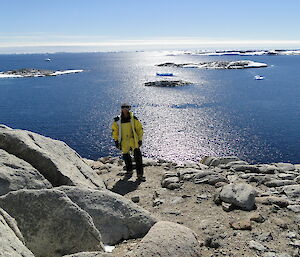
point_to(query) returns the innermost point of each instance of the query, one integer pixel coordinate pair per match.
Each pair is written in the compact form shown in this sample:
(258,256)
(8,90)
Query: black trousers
(138,162)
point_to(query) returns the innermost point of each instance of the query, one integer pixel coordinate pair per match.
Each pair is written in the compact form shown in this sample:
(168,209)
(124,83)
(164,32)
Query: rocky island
(167,83)
(29,72)
(54,203)
(244,64)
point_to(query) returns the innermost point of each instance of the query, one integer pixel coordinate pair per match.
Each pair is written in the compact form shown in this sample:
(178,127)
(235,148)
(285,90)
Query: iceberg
(258,77)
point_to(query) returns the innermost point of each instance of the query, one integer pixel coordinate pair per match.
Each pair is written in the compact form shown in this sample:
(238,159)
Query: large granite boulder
(56,161)
(292,191)
(52,225)
(11,240)
(116,217)
(240,195)
(17,174)
(215,161)
(168,239)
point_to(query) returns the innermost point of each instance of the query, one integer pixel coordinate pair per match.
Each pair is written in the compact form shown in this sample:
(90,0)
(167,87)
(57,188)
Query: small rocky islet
(55,203)
(167,83)
(31,72)
(243,64)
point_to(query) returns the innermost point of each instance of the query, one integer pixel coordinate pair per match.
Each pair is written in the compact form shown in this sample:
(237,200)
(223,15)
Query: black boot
(139,164)
(128,163)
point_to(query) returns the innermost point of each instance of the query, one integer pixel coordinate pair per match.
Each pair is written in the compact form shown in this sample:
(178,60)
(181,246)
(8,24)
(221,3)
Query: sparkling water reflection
(224,112)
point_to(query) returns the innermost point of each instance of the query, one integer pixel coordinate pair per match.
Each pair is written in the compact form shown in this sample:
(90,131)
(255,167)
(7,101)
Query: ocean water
(224,112)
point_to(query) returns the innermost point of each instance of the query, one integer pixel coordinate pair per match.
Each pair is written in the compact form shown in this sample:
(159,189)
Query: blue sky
(104,25)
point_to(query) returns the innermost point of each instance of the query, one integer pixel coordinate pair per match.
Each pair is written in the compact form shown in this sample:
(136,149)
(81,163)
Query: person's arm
(115,132)
(139,129)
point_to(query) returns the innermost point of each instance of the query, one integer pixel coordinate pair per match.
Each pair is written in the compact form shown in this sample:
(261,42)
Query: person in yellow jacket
(127,132)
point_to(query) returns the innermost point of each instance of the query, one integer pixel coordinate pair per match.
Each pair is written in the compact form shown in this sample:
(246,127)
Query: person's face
(125,110)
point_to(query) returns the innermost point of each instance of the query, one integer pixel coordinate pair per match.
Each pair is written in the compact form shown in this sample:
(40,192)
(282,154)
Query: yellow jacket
(128,132)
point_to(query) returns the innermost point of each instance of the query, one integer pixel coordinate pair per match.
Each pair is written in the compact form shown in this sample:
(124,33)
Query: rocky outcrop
(52,225)
(11,240)
(29,72)
(116,217)
(167,83)
(168,239)
(243,64)
(17,174)
(56,161)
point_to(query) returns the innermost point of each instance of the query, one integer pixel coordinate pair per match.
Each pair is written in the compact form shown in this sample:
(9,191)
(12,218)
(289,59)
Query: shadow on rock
(124,186)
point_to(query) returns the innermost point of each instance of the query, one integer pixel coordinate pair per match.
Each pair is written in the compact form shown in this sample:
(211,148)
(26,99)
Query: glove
(117,144)
(140,143)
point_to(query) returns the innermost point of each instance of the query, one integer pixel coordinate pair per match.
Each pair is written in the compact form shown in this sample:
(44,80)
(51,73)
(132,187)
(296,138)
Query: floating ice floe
(24,73)
(258,77)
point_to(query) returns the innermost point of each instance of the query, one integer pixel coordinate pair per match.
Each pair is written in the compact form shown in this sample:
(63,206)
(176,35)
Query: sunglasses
(125,107)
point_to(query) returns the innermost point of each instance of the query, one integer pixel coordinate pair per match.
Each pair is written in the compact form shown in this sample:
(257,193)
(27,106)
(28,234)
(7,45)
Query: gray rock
(17,174)
(116,217)
(285,166)
(246,168)
(135,199)
(216,161)
(211,179)
(191,165)
(234,163)
(268,200)
(149,162)
(279,183)
(52,225)
(203,173)
(233,178)
(188,173)
(258,178)
(171,183)
(286,176)
(292,191)
(291,234)
(257,246)
(267,169)
(295,208)
(11,240)
(265,237)
(240,195)
(295,243)
(167,239)
(56,161)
